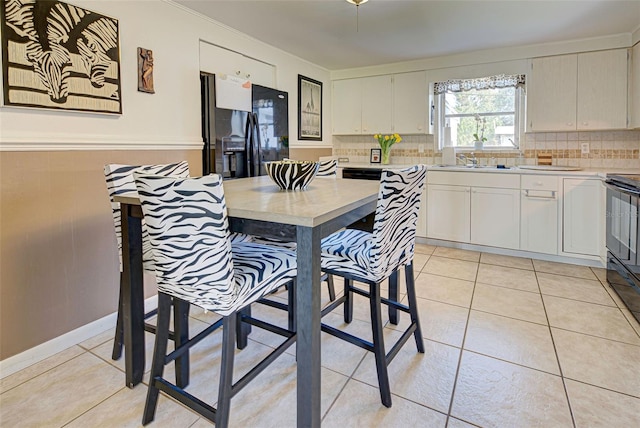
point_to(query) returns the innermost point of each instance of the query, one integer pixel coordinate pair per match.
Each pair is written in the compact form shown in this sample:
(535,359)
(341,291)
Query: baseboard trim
(45,350)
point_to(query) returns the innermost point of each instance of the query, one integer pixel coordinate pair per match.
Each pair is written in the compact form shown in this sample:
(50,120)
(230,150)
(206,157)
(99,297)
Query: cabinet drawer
(539,182)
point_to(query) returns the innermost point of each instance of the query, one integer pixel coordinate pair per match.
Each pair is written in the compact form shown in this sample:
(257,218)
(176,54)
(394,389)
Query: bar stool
(119,180)
(196,263)
(370,258)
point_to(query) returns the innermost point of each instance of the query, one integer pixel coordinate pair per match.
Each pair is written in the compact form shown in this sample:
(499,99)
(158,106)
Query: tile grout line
(464,338)
(555,350)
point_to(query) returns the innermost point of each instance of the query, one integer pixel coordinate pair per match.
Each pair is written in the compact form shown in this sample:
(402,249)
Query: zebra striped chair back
(327,168)
(189,233)
(120,180)
(374,256)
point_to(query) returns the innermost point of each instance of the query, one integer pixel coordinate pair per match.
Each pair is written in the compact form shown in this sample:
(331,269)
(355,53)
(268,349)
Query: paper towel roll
(448,156)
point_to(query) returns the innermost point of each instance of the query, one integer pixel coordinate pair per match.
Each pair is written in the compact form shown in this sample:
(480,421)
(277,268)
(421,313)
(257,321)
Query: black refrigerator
(237,143)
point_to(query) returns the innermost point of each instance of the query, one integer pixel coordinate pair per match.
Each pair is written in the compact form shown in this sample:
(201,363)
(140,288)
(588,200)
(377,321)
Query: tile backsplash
(607,149)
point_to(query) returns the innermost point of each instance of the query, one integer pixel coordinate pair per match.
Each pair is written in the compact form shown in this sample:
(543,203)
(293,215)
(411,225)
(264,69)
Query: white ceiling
(324,31)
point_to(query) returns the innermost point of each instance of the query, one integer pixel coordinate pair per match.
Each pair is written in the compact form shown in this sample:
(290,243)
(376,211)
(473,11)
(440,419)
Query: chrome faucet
(462,159)
(473,160)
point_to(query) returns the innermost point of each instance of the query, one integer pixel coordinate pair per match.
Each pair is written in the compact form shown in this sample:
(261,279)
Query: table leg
(133,296)
(308,327)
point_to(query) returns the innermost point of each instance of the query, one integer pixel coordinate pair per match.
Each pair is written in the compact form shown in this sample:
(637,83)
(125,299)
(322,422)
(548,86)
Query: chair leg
(226,371)
(291,310)
(348,303)
(242,329)
(159,353)
(413,306)
(378,345)
(118,340)
(393,295)
(331,286)
(181,335)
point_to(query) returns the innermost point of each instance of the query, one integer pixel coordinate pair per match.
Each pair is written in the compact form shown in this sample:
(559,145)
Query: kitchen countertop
(589,172)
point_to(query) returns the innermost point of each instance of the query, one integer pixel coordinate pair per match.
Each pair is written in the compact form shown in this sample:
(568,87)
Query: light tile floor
(510,342)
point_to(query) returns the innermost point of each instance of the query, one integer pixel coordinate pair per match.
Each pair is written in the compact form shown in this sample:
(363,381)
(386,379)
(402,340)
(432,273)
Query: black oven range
(623,238)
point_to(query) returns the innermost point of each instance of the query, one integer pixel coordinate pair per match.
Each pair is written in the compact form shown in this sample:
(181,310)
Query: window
(490,107)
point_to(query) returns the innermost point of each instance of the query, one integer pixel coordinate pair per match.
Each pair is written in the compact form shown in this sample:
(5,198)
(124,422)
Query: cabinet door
(602,90)
(347,106)
(214,59)
(635,87)
(583,216)
(495,217)
(448,212)
(552,94)
(539,221)
(376,105)
(410,103)
(421,229)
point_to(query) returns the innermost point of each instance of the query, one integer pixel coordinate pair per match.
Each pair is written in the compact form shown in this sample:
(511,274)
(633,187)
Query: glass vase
(385,155)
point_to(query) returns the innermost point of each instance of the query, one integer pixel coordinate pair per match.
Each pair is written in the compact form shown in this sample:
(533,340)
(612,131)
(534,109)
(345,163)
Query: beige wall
(58,257)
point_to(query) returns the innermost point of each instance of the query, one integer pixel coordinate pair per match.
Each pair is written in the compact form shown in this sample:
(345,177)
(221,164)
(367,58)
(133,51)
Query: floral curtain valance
(491,82)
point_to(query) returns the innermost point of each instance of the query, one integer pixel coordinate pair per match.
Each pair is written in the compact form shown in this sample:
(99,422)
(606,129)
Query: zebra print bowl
(292,175)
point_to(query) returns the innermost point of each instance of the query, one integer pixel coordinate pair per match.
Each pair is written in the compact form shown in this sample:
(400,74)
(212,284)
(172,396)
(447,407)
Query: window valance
(491,82)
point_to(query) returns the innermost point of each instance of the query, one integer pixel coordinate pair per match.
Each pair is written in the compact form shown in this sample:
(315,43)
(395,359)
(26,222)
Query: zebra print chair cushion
(374,256)
(120,180)
(194,258)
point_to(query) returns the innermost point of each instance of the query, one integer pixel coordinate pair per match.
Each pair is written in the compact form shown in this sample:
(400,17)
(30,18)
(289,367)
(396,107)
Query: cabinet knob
(538,183)
(419,128)
(585,123)
(237,72)
(248,75)
(569,123)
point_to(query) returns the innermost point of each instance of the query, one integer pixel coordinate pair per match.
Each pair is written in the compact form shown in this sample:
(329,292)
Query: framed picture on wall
(309,109)
(59,56)
(375,155)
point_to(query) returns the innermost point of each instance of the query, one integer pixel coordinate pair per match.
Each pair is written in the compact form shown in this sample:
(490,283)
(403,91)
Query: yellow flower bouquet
(386,141)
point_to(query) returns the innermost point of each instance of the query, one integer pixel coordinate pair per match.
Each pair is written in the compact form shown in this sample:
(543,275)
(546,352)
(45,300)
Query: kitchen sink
(469,167)
(551,167)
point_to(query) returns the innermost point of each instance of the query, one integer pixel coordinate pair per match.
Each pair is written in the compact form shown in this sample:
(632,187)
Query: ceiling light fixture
(357,3)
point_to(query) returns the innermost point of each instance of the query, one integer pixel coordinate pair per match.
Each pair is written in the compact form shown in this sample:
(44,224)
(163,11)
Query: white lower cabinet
(449,212)
(487,213)
(495,217)
(539,214)
(421,228)
(583,216)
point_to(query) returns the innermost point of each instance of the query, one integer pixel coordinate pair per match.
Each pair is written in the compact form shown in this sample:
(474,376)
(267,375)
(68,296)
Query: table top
(258,198)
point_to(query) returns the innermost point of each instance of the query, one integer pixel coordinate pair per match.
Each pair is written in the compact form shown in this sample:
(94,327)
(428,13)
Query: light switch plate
(343,160)
(420,148)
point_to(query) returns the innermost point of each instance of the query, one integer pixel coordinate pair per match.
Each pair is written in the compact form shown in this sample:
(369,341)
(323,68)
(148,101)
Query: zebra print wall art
(59,56)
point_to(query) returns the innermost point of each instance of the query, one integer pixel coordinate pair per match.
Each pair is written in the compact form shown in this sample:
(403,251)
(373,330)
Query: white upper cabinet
(347,106)
(586,91)
(214,59)
(551,93)
(602,90)
(635,87)
(362,106)
(410,103)
(381,104)
(376,105)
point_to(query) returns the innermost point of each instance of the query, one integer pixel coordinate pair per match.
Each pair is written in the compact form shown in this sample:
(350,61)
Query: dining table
(256,206)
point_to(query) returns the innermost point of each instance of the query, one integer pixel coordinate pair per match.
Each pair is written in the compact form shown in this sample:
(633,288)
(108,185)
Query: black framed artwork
(376,154)
(309,109)
(59,56)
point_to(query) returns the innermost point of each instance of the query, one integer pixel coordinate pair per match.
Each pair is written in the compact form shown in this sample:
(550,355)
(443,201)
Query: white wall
(170,118)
